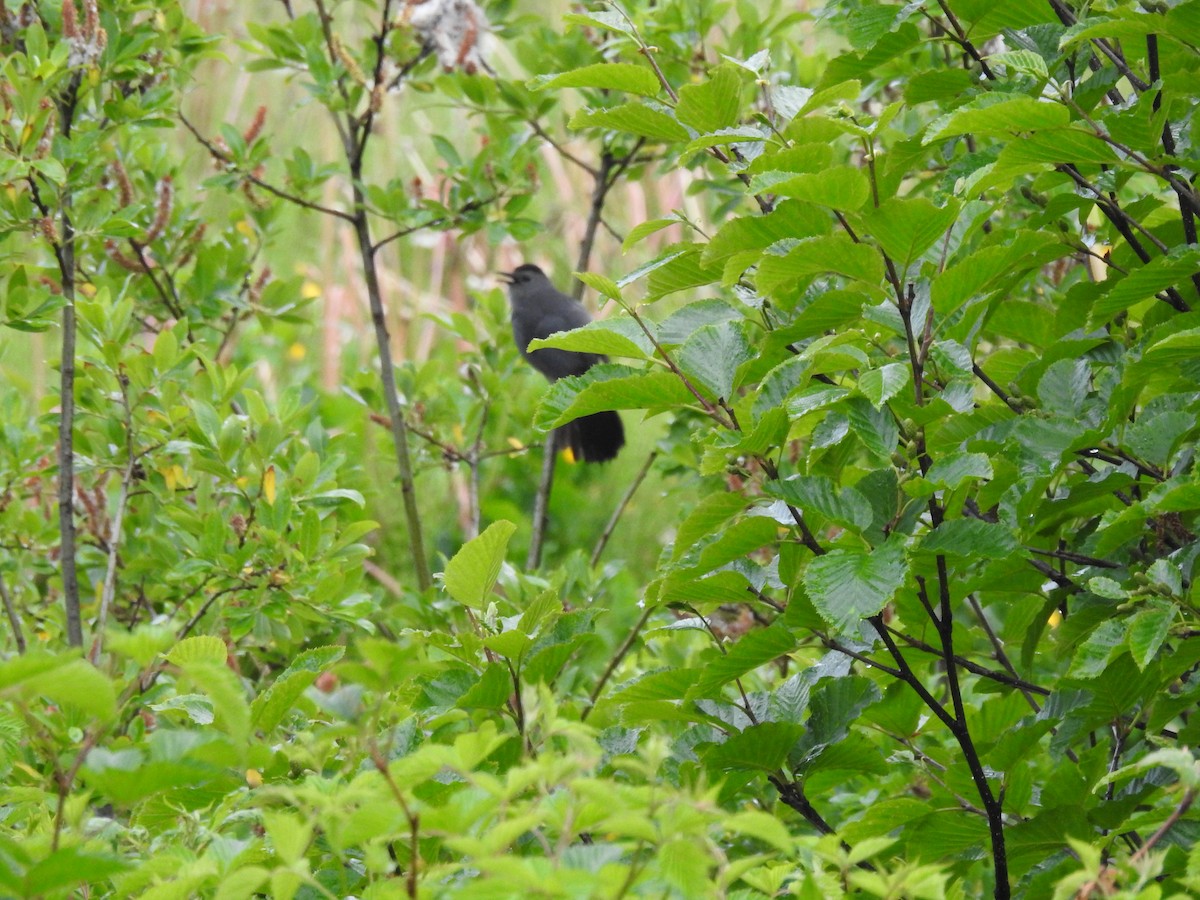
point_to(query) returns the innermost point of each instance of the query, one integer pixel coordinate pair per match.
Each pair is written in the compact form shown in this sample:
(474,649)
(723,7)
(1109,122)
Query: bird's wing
(555,363)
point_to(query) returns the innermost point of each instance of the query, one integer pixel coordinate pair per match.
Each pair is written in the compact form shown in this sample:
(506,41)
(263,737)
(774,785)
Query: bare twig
(14,618)
(616,516)
(219,154)
(541,502)
(626,644)
(108,592)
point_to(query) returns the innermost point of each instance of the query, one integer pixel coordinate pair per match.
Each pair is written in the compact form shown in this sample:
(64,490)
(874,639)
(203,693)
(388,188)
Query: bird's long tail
(594,438)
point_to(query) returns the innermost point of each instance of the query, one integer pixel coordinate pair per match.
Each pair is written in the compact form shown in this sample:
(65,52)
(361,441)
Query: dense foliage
(915,361)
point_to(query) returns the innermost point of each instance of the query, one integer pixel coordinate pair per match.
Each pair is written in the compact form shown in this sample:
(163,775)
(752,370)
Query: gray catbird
(538,310)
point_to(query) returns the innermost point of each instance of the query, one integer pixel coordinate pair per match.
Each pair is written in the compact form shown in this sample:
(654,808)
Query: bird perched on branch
(539,309)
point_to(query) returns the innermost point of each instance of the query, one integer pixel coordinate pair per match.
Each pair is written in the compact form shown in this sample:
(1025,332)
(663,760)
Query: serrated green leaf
(817,493)
(833,254)
(204,648)
(1093,655)
(882,384)
(754,649)
(844,188)
(64,680)
(619,336)
(764,747)
(906,227)
(609,388)
(637,119)
(1148,629)
(268,708)
(712,355)
(999,114)
(847,586)
(473,570)
(626,77)
(970,539)
(707,518)
(1143,283)
(953,469)
(605,287)
(713,104)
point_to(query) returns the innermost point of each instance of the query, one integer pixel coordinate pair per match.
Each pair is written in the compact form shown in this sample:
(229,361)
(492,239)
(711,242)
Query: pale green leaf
(626,77)
(473,570)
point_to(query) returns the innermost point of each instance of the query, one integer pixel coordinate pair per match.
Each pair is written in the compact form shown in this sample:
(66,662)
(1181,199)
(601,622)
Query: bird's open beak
(506,277)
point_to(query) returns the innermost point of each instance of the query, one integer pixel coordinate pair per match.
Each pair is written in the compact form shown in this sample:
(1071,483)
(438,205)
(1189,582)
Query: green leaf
(754,649)
(202,648)
(1065,145)
(970,539)
(713,104)
(645,229)
(269,707)
(64,680)
(620,336)
(764,747)
(1148,629)
(491,691)
(609,388)
(817,493)
(833,254)
(626,77)
(953,469)
(712,355)
(1102,645)
(908,226)
(882,384)
(605,287)
(1160,273)
(992,266)
(706,519)
(999,114)
(632,118)
(843,188)
(222,686)
(790,219)
(470,575)
(847,586)
(70,867)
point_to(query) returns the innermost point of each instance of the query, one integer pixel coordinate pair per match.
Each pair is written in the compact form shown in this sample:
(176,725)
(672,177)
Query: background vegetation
(892,592)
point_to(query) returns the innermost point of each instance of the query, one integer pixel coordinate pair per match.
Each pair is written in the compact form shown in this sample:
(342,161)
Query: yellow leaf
(268,486)
(254,778)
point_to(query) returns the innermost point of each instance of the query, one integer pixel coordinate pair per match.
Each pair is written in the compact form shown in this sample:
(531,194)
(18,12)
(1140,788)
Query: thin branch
(960,38)
(65,251)
(413,818)
(621,506)
(67,780)
(972,667)
(14,618)
(709,409)
(1185,804)
(219,154)
(598,688)
(560,149)
(541,502)
(108,592)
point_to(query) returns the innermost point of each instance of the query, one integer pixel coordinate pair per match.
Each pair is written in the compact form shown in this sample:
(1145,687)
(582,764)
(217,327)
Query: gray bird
(539,309)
